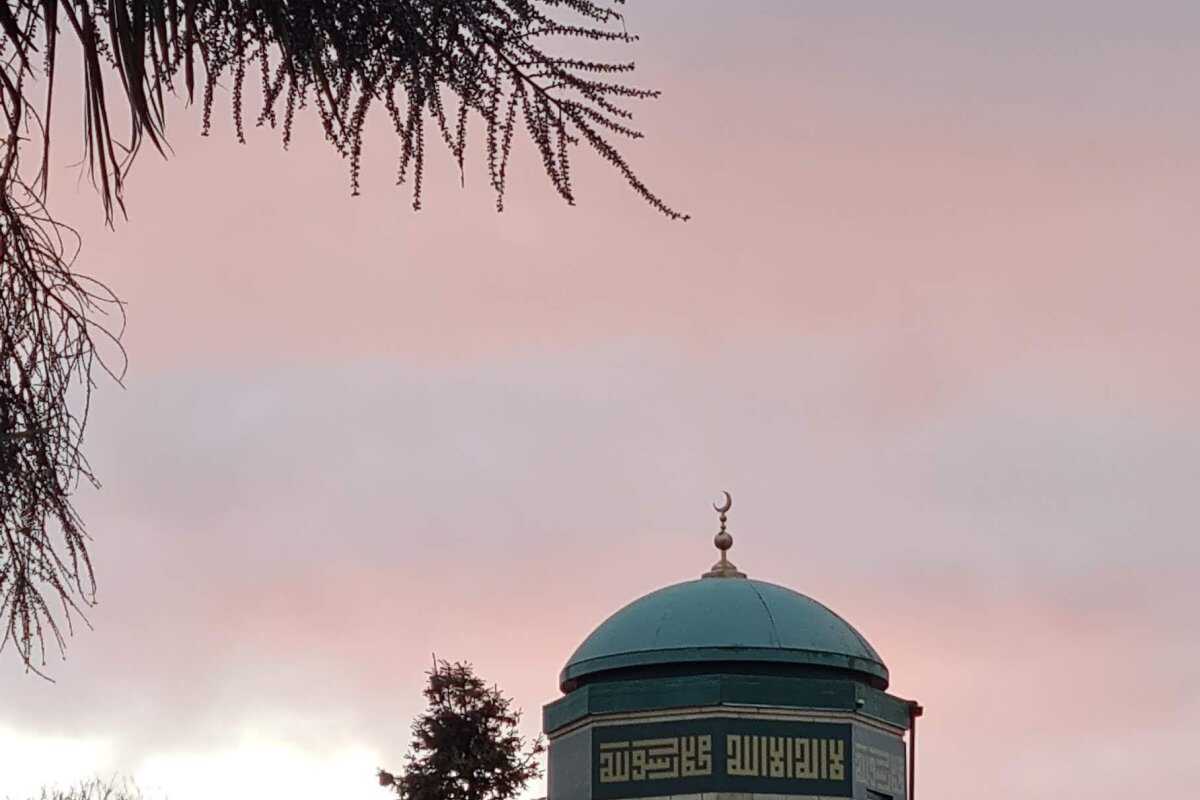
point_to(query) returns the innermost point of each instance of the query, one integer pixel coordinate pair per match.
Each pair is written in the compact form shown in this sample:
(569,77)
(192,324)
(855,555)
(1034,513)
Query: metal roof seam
(770,616)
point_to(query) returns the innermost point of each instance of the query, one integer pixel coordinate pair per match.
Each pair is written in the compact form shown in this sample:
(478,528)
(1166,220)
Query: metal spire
(723,540)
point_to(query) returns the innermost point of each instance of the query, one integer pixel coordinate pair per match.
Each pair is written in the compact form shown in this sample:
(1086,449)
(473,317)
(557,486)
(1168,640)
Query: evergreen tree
(466,745)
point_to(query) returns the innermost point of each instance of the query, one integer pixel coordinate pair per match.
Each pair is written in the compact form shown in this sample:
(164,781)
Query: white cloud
(259,766)
(33,761)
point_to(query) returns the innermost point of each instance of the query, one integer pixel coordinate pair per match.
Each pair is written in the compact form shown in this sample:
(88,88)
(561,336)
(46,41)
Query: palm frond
(447,63)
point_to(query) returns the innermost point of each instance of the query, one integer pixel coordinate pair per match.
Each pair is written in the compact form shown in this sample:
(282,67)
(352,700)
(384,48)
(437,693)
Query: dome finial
(723,540)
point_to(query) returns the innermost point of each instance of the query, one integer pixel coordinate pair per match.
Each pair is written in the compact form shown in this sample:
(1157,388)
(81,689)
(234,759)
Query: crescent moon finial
(724,568)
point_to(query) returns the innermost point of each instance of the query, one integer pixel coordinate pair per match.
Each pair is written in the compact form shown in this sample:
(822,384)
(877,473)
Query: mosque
(728,688)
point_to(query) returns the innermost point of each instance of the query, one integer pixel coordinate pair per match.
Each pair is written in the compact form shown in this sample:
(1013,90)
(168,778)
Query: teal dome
(733,622)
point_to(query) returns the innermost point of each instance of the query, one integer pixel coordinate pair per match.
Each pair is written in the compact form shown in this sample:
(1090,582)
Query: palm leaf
(449,61)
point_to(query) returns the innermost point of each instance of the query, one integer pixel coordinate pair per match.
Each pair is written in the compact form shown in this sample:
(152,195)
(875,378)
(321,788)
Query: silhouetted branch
(442,63)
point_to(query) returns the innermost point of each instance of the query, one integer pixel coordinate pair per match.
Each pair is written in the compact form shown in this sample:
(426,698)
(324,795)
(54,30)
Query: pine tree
(466,745)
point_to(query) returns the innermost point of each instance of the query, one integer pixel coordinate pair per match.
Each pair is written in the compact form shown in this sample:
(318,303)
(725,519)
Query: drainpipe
(914,710)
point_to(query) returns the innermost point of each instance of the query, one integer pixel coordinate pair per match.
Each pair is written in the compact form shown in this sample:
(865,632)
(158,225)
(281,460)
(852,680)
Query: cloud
(285,549)
(933,325)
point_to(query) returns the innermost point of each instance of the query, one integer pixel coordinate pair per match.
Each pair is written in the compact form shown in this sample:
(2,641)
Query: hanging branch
(50,319)
(445,63)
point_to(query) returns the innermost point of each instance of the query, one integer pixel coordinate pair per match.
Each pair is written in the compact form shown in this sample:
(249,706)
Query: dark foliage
(436,64)
(465,745)
(48,318)
(94,789)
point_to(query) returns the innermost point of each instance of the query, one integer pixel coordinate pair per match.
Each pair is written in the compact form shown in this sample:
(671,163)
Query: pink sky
(933,324)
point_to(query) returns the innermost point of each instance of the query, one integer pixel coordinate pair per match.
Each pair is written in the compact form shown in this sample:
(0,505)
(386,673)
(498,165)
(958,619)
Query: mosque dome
(727,686)
(724,622)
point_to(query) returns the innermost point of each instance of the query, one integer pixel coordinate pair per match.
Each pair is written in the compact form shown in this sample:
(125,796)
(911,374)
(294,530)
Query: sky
(933,324)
